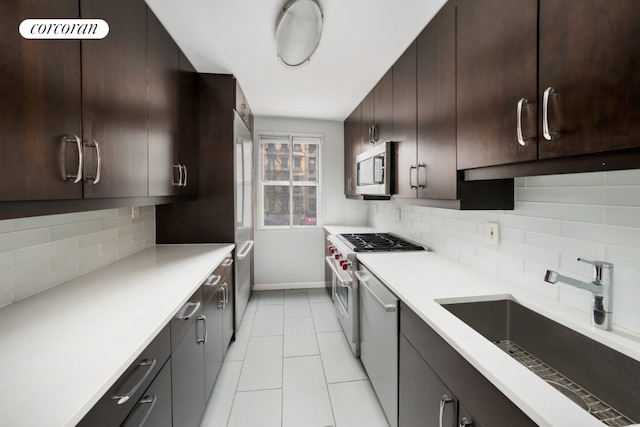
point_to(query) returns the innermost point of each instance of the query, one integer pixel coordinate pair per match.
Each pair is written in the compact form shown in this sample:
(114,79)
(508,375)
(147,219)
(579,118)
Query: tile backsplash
(39,253)
(556,220)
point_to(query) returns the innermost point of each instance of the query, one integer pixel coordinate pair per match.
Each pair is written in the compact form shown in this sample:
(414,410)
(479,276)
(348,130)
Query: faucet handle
(598,266)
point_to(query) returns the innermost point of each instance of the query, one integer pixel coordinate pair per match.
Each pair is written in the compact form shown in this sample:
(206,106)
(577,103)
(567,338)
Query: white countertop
(340,229)
(423,280)
(62,349)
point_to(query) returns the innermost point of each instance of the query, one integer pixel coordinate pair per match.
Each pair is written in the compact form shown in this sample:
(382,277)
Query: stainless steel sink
(594,376)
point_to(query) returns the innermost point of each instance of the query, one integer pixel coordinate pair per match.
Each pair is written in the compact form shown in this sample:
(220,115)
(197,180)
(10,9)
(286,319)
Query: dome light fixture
(298,31)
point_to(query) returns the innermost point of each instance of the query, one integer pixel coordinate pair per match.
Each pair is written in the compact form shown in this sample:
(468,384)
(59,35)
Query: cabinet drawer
(154,407)
(487,404)
(218,277)
(185,317)
(115,405)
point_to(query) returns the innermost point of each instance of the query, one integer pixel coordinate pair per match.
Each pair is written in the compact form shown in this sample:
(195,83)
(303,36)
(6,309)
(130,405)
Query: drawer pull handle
(151,401)
(124,397)
(195,305)
(443,401)
(213,280)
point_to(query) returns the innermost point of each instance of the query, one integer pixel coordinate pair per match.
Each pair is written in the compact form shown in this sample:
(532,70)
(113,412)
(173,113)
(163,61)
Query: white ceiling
(361,39)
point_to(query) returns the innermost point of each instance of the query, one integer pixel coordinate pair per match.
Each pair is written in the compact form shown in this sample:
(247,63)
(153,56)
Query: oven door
(345,301)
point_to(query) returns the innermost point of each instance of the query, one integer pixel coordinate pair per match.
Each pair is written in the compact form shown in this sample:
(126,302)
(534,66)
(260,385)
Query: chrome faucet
(601,287)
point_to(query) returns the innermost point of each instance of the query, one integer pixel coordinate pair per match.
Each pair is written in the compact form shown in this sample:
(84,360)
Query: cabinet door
(352,147)
(214,352)
(162,97)
(187,138)
(367,120)
(227,313)
(39,106)
(404,121)
(589,57)
(383,108)
(436,105)
(188,378)
(114,100)
(421,393)
(496,67)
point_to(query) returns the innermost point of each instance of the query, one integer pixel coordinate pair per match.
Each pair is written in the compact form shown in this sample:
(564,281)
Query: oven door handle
(362,278)
(342,282)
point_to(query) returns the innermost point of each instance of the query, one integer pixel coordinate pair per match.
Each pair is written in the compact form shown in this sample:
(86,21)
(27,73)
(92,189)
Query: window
(289,196)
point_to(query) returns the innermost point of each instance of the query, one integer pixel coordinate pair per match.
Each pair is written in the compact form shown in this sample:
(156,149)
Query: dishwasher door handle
(364,279)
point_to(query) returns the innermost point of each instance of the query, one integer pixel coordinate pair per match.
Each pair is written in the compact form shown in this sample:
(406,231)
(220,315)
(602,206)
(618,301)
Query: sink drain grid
(577,394)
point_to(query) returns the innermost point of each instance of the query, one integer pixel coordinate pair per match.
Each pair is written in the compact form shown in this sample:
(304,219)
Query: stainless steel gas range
(344,265)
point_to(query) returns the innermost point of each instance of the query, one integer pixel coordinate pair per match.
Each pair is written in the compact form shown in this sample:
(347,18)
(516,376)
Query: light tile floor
(290,366)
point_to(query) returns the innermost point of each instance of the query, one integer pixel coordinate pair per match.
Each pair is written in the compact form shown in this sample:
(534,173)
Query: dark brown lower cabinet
(422,393)
(187,363)
(432,375)
(125,395)
(154,407)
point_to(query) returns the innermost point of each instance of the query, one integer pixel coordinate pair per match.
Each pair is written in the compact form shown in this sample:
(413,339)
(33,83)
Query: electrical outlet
(398,214)
(492,231)
(135,212)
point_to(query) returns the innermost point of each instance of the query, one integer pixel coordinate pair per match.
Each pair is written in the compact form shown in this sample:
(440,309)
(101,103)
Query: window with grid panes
(288,196)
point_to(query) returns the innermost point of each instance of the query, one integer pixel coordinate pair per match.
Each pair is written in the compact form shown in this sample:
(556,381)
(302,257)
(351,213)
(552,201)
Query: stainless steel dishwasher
(379,340)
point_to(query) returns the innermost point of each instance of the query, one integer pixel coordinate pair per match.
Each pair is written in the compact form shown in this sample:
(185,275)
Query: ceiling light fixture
(298,31)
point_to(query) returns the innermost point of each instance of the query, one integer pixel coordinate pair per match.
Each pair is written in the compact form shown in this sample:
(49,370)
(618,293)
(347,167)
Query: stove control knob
(331,249)
(336,255)
(345,266)
(342,263)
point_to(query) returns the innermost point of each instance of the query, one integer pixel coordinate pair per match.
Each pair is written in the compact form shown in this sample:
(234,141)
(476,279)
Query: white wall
(295,258)
(556,220)
(39,253)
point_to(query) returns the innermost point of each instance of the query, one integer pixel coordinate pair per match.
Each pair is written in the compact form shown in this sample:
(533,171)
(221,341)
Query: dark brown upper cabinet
(588,76)
(404,121)
(496,70)
(434,173)
(40,106)
(114,101)
(186,152)
(377,115)
(352,147)
(166,175)
(424,112)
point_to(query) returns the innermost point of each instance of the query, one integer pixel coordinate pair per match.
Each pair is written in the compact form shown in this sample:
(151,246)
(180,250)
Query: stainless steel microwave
(373,176)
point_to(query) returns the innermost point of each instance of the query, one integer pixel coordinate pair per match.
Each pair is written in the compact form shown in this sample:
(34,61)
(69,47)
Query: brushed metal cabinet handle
(184,182)
(195,305)
(545,112)
(203,318)
(78,176)
(464,422)
(443,401)
(521,139)
(179,167)
(421,165)
(411,169)
(96,178)
(124,397)
(151,401)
